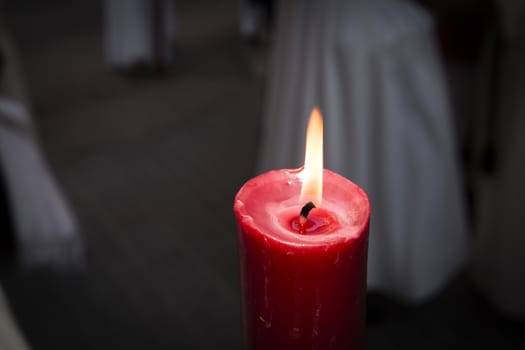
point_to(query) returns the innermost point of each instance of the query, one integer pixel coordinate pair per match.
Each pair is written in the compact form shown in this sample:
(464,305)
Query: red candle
(303,280)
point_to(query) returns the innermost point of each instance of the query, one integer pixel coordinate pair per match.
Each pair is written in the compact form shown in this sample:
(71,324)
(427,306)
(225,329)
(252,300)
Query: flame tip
(313,164)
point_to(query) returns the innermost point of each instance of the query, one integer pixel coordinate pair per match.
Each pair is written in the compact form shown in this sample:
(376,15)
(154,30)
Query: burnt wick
(304,212)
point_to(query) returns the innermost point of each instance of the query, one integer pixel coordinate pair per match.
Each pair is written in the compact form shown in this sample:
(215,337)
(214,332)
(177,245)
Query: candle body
(302,291)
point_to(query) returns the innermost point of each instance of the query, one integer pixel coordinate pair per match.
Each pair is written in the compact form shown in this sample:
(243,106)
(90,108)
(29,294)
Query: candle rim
(343,234)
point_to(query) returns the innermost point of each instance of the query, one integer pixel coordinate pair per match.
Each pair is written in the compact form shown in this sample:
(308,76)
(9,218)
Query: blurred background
(126,128)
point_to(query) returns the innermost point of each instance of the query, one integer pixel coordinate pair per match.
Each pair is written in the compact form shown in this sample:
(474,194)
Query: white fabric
(10,336)
(499,247)
(129,31)
(371,67)
(46,231)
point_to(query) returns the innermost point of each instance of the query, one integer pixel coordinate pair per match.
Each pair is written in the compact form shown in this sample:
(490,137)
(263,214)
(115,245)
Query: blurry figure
(138,34)
(499,255)
(256,17)
(373,69)
(44,226)
(10,337)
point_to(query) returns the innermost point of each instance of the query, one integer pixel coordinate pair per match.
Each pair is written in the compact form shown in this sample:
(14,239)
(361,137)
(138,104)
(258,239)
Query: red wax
(302,287)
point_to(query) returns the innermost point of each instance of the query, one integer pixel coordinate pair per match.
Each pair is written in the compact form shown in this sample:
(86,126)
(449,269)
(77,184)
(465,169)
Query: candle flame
(313,162)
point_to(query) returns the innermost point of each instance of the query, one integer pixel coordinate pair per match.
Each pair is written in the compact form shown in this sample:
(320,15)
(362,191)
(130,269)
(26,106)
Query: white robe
(131,35)
(46,230)
(10,336)
(372,68)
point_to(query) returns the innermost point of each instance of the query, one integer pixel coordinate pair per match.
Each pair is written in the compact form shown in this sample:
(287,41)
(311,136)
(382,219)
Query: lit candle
(303,238)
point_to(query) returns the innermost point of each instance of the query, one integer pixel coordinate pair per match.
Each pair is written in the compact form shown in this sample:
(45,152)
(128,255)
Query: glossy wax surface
(302,290)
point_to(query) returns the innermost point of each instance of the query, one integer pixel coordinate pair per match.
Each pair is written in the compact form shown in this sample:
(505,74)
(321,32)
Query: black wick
(305,211)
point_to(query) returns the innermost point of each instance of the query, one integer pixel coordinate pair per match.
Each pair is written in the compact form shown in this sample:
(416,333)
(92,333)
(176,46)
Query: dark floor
(151,166)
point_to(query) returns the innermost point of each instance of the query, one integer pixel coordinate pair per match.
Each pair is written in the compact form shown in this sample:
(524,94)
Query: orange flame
(313,162)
